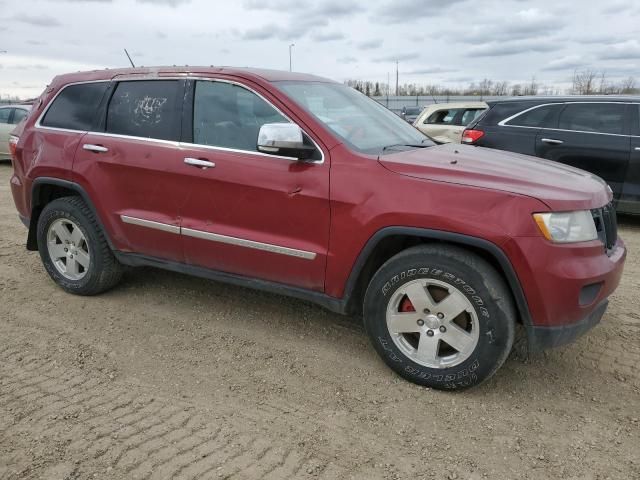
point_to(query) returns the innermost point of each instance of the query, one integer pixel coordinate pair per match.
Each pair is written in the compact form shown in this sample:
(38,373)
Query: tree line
(585,82)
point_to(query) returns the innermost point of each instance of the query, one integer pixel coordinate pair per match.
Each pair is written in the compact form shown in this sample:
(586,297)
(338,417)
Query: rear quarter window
(541,117)
(75,107)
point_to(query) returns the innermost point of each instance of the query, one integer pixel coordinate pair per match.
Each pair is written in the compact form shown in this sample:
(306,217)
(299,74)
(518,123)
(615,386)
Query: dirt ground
(169,376)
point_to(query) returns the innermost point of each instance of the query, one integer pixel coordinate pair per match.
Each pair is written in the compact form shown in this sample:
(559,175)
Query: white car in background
(10,116)
(445,122)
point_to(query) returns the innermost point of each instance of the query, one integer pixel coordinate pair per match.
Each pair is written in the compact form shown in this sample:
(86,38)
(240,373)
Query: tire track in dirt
(137,434)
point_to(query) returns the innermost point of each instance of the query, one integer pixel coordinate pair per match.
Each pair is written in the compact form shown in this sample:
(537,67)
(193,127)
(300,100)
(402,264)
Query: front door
(249,213)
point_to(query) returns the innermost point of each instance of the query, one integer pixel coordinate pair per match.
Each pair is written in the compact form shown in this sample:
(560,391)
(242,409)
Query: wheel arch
(390,241)
(46,189)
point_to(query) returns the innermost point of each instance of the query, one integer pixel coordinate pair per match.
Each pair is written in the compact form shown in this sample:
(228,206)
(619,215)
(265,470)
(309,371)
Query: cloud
(37,20)
(370,44)
(170,3)
(303,8)
(347,60)
(431,70)
(401,57)
(629,50)
(525,24)
(401,11)
(501,49)
(570,62)
(328,36)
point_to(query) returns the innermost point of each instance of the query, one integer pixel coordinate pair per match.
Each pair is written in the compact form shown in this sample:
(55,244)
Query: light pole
(290,62)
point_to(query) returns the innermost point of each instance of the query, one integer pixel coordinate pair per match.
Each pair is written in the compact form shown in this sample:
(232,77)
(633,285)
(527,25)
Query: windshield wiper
(414,145)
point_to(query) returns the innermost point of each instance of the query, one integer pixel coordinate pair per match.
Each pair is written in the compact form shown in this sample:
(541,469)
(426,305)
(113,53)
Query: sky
(448,42)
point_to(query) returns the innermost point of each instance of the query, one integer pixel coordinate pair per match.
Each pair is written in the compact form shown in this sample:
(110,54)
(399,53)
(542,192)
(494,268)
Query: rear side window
(541,117)
(5,113)
(442,117)
(148,109)
(470,115)
(593,117)
(75,107)
(19,115)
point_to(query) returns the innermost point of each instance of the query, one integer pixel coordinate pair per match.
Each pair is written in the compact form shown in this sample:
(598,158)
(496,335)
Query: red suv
(302,186)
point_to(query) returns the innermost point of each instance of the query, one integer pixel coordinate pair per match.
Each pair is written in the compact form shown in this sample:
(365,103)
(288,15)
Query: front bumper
(543,338)
(566,286)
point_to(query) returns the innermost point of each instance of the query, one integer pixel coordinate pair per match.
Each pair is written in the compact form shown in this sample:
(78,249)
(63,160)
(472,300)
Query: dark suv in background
(597,134)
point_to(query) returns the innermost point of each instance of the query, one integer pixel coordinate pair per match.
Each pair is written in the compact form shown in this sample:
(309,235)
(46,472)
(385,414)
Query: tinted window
(19,115)
(75,107)
(470,115)
(443,117)
(229,116)
(145,109)
(593,117)
(537,117)
(5,113)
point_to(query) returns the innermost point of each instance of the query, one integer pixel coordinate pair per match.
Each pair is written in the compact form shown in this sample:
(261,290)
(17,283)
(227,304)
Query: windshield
(362,123)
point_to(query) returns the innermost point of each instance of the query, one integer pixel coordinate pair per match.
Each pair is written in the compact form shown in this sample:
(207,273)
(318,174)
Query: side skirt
(330,303)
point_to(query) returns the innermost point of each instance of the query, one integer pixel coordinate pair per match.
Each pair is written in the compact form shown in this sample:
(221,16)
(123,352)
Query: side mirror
(284,139)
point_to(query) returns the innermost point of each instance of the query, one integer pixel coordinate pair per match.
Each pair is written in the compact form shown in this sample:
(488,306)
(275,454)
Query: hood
(559,186)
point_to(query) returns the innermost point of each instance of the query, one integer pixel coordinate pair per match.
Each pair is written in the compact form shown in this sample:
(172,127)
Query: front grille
(606,225)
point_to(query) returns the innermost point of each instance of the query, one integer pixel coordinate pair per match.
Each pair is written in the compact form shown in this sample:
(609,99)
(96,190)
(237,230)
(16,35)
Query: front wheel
(440,316)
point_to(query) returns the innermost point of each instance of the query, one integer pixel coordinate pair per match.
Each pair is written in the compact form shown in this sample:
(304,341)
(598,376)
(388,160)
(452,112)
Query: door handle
(95,148)
(552,141)
(197,162)
(637,149)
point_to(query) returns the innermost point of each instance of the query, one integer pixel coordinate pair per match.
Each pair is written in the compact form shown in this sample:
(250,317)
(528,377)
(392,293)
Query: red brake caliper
(406,305)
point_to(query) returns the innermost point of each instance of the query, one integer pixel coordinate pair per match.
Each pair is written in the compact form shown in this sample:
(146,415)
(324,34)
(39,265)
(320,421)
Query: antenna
(129,57)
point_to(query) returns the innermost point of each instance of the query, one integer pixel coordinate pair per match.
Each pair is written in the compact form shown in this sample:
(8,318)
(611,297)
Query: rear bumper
(543,338)
(25,221)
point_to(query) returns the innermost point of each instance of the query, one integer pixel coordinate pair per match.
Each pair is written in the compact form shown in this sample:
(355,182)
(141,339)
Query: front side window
(147,108)
(539,117)
(75,108)
(5,113)
(443,117)
(230,116)
(593,117)
(362,123)
(18,115)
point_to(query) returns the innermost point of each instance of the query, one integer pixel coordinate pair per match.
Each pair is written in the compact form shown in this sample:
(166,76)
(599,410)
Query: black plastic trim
(35,202)
(136,260)
(457,238)
(543,338)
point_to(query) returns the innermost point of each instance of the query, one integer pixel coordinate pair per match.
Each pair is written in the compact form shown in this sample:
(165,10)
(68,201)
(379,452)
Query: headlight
(567,227)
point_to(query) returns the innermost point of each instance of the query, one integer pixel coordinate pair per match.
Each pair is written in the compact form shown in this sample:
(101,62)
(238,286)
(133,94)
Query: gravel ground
(169,376)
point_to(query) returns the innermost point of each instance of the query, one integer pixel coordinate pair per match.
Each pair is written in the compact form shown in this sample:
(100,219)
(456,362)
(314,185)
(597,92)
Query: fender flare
(36,189)
(465,240)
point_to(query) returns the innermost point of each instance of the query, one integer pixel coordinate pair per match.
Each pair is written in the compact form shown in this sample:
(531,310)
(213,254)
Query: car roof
(458,105)
(567,98)
(16,105)
(159,72)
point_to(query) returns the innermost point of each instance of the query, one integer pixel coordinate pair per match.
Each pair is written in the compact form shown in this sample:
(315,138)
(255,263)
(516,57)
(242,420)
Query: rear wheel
(73,248)
(440,316)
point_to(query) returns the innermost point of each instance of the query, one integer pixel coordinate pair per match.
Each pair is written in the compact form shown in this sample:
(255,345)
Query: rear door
(516,131)
(593,137)
(249,213)
(131,166)
(630,197)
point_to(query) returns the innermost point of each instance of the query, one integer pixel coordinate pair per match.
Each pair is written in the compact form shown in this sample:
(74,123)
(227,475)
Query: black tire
(104,271)
(472,276)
